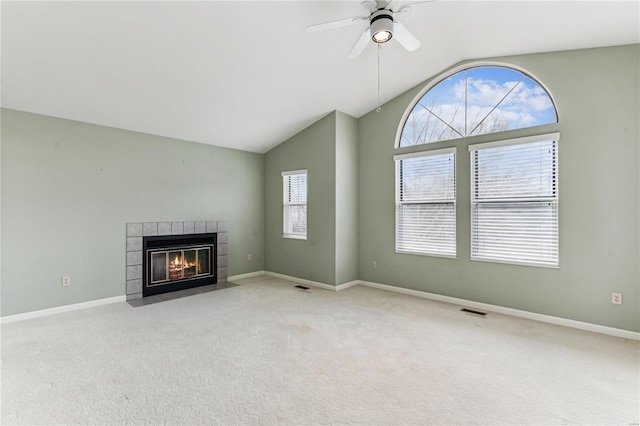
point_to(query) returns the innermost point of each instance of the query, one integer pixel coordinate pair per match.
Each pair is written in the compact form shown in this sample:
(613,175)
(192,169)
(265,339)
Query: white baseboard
(626,334)
(302,281)
(247,275)
(347,285)
(57,310)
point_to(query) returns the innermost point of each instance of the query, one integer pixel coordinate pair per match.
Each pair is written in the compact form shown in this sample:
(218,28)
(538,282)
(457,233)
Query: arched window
(514,182)
(476,101)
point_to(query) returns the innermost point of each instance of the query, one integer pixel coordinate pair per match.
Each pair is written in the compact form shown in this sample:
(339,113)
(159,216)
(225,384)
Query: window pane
(428,178)
(296,219)
(435,118)
(514,200)
(516,171)
(519,232)
(297,188)
(477,101)
(426,228)
(294,209)
(425,214)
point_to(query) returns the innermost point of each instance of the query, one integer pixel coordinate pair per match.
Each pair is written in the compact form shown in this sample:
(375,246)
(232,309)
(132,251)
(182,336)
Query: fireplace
(178,262)
(201,258)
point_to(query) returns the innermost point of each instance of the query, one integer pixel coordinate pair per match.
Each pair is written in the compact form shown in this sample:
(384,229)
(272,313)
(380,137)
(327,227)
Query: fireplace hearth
(169,256)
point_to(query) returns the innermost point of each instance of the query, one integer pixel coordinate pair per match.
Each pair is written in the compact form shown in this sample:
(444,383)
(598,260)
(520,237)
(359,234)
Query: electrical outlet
(249,256)
(374,265)
(616,298)
(66,281)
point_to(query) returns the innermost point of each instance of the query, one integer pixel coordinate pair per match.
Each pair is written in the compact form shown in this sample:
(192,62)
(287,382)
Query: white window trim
(451,150)
(284,195)
(507,142)
(295,172)
(397,158)
(419,253)
(294,236)
(521,263)
(516,141)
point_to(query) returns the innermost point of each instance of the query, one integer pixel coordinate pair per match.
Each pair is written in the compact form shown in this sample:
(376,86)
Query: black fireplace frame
(170,242)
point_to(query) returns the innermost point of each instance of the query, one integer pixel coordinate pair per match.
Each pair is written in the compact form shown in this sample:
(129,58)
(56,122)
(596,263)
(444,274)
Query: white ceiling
(247,75)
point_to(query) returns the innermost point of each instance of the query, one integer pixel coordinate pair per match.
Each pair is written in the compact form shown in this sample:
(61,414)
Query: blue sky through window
(478,101)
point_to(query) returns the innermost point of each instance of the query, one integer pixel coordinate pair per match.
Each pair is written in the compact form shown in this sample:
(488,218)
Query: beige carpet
(265,352)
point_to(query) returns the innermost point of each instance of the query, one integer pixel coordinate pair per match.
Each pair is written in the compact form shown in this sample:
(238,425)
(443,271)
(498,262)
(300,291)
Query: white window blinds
(294,211)
(425,202)
(514,201)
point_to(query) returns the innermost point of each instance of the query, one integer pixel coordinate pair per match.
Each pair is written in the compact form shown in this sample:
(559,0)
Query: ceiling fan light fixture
(382,36)
(381,27)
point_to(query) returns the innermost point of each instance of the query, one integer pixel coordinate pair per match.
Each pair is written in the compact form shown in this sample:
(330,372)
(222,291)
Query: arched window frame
(451,72)
(510,136)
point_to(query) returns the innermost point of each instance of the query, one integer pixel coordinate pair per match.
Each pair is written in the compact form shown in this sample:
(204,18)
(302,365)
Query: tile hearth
(137,230)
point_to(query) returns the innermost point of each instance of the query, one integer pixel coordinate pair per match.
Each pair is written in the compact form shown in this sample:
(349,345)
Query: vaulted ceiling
(247,75)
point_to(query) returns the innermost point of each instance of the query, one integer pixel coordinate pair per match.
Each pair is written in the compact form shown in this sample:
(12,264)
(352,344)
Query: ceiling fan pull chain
(379,108)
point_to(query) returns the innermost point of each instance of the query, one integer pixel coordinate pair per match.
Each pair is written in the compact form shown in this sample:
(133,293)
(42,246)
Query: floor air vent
(472,312)
(302,287)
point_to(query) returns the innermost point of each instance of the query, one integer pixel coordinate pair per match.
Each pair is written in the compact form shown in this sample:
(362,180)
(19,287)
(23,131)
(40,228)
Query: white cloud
(490,92)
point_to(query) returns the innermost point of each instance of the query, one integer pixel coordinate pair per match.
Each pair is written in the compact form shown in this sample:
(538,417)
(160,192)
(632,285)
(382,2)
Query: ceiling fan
(383,25)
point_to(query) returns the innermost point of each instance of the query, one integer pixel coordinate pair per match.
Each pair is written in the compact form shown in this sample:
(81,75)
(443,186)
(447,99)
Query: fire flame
(178,263)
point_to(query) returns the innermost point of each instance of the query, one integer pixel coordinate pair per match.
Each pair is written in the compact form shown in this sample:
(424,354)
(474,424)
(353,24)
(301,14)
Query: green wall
(314,258)
(78,184)
(597,96)
(328,150)
(69,188)
(346,198)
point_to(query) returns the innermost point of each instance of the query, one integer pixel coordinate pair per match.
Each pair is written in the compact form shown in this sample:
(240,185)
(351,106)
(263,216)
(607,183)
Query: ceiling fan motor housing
(381,25)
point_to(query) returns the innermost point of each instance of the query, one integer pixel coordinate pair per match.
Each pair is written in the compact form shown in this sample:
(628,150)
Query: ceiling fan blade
(405,37)
(392,5)
(370,4)
(411,3)
(336,24)
(362,42)
(403,12)
(405,7)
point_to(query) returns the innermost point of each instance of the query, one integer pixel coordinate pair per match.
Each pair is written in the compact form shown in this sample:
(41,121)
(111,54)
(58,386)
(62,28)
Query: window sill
(294,237)
(417,253)
(514,262)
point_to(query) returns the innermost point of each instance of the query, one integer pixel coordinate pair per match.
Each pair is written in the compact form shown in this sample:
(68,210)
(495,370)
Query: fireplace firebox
(178,262)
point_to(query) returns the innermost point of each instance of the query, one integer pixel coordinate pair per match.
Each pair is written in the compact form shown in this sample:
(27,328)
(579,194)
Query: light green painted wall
(597,95)
(313,149)
(78,184)
(69,188)
(328,150)
(346,198)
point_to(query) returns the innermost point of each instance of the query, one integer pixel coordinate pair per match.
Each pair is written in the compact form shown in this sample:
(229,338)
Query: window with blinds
(294,210)
(426,203)
(514,201)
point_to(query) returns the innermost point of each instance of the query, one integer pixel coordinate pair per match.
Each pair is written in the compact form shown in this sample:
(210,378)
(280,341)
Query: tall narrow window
(425,202)
(514,201)
(294,211)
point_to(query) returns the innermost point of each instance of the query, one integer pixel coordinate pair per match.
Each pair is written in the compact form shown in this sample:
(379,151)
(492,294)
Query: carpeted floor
(265,352)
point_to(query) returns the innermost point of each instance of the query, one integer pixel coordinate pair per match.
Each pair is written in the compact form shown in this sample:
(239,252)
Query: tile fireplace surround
(137,230)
